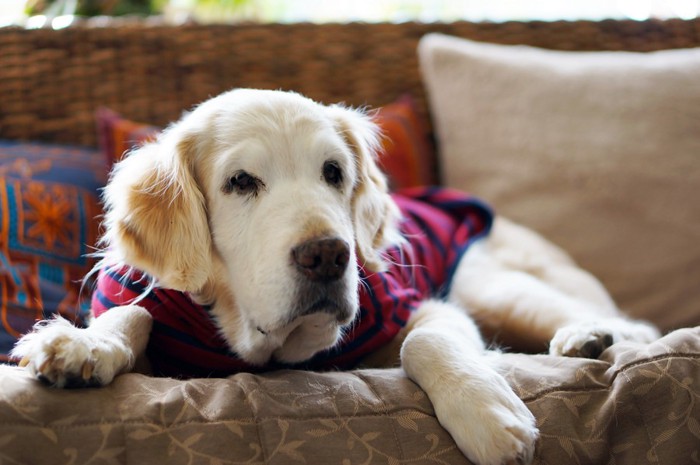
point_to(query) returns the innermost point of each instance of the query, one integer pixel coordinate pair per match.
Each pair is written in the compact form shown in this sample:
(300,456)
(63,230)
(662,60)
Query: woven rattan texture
(51,81)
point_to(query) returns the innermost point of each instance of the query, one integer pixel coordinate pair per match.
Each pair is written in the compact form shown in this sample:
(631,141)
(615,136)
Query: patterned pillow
(49,208)
(407,158)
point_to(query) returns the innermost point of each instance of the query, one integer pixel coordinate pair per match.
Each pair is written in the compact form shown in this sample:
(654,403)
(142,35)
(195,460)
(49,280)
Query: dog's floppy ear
(156,214)
(375,215)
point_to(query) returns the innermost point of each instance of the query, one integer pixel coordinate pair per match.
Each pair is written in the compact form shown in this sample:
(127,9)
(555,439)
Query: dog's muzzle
(321,266)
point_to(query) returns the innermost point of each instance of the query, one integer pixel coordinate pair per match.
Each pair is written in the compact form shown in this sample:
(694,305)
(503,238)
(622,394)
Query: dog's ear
(155,215)
(375,215)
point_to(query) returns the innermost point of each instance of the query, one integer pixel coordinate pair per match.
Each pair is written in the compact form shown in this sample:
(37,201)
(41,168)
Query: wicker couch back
(51,81)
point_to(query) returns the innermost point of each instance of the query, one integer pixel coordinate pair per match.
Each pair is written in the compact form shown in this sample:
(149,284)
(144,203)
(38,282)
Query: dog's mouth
(338,314)
(314,321)
(341,312)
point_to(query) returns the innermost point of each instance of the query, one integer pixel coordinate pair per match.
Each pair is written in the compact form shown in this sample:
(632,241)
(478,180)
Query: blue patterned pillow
(49,209)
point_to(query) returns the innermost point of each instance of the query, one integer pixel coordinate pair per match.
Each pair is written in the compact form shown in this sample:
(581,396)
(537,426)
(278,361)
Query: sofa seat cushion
(637,404)
(598,151)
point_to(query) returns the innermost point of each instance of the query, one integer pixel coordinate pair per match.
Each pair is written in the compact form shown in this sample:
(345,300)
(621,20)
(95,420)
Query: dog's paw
(589,340)
(493,428)
(64,356)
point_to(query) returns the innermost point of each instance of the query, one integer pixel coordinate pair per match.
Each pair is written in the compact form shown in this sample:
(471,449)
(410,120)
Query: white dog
(267,211)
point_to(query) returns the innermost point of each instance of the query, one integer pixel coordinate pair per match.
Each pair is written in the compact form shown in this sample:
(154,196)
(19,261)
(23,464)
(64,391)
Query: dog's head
(261,203)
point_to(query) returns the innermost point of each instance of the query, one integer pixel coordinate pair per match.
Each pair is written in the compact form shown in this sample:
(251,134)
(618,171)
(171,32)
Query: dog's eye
(243,183)
(332,173)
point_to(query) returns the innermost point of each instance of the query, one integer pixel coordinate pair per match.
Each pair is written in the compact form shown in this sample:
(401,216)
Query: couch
(485,112)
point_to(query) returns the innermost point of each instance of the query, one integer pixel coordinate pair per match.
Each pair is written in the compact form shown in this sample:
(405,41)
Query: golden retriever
(261,204)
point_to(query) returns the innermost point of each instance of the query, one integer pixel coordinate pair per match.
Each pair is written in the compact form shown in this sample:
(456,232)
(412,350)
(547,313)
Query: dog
(263,218)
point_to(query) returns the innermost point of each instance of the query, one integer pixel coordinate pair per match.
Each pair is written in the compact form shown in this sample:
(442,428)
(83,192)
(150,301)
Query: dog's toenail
(44,365)
(87,370)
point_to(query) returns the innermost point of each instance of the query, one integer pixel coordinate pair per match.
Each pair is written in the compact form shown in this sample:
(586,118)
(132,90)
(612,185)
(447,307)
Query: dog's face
(260,203)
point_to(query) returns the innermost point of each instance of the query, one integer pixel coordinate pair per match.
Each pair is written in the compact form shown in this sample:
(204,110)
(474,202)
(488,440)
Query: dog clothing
(438,224)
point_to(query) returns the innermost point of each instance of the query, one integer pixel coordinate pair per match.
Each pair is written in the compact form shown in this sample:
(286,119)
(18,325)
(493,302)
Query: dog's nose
(322,259)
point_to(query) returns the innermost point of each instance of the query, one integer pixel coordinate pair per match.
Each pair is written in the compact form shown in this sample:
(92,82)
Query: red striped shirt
(439,224)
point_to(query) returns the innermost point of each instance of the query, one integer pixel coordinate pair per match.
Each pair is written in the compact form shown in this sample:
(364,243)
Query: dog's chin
(319,327)
(315,322)
(310,335)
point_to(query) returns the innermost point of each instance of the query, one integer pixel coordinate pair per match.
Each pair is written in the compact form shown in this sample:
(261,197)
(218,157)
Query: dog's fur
(218,203)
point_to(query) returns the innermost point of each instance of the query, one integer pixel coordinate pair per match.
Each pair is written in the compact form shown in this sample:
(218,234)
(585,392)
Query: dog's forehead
(260,110)
(278,125)
(280,133)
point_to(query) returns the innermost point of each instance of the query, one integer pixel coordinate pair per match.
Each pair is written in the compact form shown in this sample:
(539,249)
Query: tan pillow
(598,151)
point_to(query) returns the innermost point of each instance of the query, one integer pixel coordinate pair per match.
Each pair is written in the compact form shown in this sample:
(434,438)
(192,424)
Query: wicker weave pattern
(51,82)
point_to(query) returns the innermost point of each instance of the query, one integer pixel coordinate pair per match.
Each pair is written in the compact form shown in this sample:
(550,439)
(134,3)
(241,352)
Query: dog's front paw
(492,428)
(589,340)
(64,356)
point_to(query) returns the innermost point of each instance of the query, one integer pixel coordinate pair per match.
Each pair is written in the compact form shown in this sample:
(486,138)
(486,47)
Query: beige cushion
(637,404)
(598,151)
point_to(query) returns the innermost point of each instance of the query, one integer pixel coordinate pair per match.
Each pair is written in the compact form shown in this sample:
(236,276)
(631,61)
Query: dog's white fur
(172,212)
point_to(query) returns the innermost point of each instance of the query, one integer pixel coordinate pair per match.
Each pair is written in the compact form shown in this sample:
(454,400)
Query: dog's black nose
(322,259)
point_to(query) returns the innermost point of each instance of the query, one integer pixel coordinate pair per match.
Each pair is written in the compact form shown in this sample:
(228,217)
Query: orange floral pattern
(50,216)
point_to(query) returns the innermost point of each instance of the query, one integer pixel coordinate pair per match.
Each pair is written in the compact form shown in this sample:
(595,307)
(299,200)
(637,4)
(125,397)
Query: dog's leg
(530,293)
(62,355)
(444,354)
